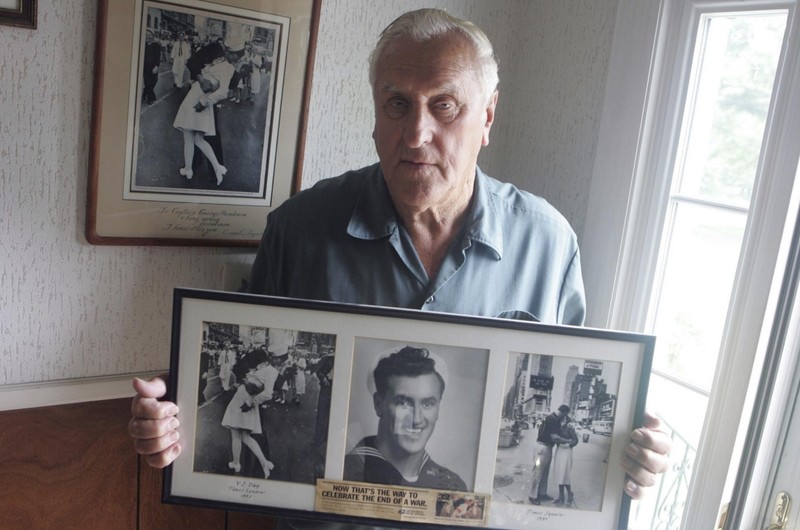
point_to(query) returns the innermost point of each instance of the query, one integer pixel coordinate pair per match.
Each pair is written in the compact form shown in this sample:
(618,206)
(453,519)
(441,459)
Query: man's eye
(396,108)
(429,403)
(446,110)
(402,402)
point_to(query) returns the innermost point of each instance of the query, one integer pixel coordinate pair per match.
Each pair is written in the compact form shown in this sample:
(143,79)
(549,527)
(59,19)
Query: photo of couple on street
(555,438)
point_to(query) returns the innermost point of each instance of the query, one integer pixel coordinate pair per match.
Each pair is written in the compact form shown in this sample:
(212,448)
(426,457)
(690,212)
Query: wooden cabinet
(73,466)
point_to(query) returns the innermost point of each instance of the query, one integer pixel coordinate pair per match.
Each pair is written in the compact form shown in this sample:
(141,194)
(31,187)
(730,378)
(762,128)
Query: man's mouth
(418,159)
(411,432)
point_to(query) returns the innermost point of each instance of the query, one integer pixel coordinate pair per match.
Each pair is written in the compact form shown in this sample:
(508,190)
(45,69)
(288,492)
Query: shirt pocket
(517,314)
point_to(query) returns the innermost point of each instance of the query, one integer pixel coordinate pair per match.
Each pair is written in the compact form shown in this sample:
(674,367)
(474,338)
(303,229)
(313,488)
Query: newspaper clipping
(402,504)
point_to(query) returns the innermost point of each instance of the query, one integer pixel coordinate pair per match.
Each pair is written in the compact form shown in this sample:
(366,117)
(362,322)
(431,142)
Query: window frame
(651,51)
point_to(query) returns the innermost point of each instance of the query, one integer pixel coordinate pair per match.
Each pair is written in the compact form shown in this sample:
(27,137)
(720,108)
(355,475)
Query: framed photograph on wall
(367,414)
(21,13)
(198,119)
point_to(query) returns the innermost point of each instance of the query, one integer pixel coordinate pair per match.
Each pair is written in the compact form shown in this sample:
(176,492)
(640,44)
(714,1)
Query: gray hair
(427,24)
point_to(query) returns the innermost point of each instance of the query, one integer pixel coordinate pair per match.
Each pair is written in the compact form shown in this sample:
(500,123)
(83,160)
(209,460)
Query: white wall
(69,309)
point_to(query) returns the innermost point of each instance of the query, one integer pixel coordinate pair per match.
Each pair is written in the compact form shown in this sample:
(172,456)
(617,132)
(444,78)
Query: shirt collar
(374,215)
(483,223)
(368,447)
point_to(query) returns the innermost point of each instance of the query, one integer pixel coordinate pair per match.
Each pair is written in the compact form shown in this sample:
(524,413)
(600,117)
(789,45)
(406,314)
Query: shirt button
(430,300)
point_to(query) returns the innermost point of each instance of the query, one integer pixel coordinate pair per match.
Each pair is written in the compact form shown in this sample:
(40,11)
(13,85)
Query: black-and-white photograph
(206,115)
(438,402)
(415,414)
(264,399)
(555,437)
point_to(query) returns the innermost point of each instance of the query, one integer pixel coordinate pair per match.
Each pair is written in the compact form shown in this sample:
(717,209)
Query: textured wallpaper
(70,310)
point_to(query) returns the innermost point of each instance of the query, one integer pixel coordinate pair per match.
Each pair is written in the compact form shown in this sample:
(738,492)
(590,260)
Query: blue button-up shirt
(342,241)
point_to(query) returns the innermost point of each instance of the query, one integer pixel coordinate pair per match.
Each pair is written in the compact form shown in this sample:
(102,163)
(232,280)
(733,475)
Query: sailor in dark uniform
(408,391)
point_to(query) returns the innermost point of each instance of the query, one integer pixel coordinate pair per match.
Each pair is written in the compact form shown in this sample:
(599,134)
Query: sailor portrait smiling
(408,393)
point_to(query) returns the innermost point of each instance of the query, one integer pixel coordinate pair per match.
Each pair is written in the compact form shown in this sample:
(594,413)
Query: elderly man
(425,228)
(408,391)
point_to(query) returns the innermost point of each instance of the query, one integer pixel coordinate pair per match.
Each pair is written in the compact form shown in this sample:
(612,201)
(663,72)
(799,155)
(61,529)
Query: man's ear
(490,109)
(377,402)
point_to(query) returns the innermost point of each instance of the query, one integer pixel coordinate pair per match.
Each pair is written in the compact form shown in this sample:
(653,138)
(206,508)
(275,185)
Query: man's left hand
(646,456)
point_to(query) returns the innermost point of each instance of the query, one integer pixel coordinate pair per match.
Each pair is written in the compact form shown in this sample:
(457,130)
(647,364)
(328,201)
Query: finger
(633,489)
(146,403)
(154,388)
(154,446)
(653,422)
(152,409)
(654,448)
(146,429)
(653,460)
(164,458)
(640,474)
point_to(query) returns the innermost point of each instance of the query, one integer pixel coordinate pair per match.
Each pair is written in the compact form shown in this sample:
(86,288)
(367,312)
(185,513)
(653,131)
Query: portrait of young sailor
(394,431)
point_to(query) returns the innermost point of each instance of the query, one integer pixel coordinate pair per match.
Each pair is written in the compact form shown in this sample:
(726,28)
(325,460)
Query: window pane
(697,280)
(662,509)
(732,90)
(685,408)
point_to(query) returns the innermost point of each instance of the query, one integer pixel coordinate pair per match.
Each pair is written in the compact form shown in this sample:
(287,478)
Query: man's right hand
(153,424)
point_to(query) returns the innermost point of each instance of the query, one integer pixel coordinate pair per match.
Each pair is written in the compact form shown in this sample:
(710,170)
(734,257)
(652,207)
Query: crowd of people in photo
(249,63)
(214,73)
(257,376)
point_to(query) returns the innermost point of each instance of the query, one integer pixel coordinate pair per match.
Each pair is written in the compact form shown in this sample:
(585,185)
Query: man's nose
(418,127)
(418,417)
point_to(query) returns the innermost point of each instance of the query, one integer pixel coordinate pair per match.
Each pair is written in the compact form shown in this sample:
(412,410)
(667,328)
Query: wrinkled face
(407,413)
(432,116)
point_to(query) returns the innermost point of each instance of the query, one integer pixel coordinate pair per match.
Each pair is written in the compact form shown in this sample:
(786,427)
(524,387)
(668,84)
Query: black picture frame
(23,17)
(493,368)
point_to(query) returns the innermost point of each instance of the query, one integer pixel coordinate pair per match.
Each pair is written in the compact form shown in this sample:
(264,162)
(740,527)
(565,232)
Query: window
(716,161)
(720,143)
(699,130)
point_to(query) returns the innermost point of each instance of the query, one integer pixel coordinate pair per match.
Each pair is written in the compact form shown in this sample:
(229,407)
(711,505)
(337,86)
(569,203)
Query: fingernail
(172,410)
(637,436)
(173,436)
(632,450)
(631,488)
(173,424)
